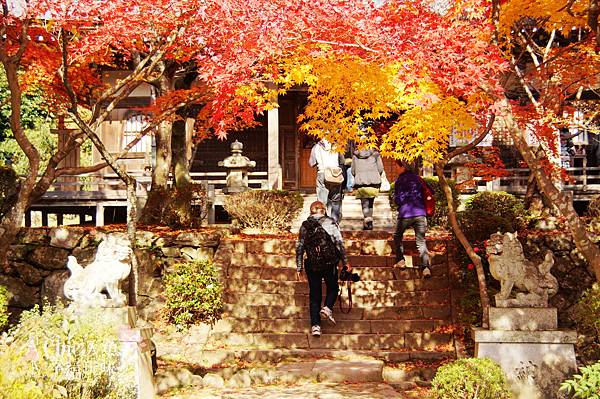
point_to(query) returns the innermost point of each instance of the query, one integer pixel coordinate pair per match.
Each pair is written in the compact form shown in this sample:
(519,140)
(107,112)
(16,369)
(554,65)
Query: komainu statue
(86,285)
(509,266)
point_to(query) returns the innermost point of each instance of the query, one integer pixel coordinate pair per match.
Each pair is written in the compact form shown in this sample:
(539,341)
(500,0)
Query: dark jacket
(408,195)
(332,229)
(367,167)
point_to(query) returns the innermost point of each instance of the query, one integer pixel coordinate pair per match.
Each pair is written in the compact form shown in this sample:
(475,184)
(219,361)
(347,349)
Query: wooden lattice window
(134,124)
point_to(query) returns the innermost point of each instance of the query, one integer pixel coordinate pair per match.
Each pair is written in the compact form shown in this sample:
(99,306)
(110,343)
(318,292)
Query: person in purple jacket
(408,195)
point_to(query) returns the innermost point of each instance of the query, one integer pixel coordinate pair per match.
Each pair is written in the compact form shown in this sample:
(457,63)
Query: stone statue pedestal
(135,349)
(535,356)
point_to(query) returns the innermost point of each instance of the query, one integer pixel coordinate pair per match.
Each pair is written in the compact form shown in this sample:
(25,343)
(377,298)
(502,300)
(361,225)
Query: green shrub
(594,207)
(8,189)
(490,212)
(440,218)
(470,379)
(3,307)
(58,353)
(265,210)
(586,384)
(194,293)
(587,311)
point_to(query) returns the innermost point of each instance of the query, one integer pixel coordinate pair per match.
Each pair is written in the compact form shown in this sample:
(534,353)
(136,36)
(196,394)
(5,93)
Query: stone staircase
(397,316)
(352,216)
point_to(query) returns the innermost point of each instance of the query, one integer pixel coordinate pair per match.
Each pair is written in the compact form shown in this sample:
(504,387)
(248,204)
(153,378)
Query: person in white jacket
(324,156)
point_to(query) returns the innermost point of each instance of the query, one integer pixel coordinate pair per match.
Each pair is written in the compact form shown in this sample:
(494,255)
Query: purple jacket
(408,195)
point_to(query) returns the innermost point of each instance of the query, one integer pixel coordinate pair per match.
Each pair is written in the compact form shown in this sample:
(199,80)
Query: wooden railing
(109,186)
(582,181)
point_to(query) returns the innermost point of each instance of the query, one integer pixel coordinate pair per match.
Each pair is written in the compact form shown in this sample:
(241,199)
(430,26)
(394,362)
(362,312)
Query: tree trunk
(181,172)
(155,204)
(131,185)
(11,222)
(585,245)
(483,294)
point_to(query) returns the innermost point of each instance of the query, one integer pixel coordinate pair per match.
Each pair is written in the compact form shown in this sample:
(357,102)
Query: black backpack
(322,254)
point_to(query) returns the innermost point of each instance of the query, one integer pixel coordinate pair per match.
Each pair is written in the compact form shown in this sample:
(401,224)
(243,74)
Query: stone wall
(573,274)
(37,262)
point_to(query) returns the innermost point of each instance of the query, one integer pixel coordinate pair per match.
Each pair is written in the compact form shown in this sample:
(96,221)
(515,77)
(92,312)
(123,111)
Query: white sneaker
(426,272)
(316,331)
(326,313)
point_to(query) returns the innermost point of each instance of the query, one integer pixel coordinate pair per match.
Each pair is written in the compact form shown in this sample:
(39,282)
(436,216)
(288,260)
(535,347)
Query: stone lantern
(237,169)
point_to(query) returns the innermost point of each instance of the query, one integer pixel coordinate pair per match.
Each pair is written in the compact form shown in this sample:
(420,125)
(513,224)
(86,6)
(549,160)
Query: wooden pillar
(99,214)
(28,218)
(45,218)
(274,168)
(59,219)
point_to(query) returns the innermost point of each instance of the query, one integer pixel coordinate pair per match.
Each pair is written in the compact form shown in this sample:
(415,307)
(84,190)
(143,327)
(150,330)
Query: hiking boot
(315,331)
(426,272)
(400,263)
(326,313)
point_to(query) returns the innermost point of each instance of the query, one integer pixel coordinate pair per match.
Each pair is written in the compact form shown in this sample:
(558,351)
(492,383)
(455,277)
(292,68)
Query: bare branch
(478,139)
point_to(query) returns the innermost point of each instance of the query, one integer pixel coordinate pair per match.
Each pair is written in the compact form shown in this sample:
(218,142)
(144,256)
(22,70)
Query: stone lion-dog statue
(509,266)
(86,285)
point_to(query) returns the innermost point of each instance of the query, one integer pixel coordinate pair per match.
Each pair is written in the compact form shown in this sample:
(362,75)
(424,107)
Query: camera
(345,275)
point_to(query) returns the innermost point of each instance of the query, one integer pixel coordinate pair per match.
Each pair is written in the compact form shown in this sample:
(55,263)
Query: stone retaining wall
(37,262)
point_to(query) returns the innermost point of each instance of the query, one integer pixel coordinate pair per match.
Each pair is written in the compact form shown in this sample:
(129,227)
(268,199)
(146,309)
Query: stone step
(441,312)
(379,299)
(356,243)
(208,358)
(366,273)
(290,325)
(289,260)
(414,341)
(360,288)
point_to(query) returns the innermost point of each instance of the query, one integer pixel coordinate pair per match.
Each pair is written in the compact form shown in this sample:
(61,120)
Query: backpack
(428,198)
(321,252)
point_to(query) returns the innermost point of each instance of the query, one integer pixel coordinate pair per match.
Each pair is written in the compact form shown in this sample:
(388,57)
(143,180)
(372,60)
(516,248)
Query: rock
(171,252)
(29,274)
(18,252)
(261,376)
(92,239)
(52,288)
(562,242)
(49,258)
(144,238)
(20,294)
(198,239)
(189,253)
(241,379)
(212,380)
(197,381)
(85,255)
(394,375)
(67,238)
(172,378)
(33,236)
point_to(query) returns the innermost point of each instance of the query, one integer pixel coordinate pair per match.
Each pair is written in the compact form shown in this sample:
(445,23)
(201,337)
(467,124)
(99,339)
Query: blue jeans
(419,224)
(331,196)
(315,294)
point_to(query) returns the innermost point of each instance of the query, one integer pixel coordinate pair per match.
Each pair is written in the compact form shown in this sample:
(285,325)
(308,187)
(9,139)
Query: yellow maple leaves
(347,93)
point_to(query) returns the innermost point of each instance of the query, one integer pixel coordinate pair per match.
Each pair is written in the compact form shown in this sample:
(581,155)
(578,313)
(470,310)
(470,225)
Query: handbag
(385,184)
(334,175)
(428,198)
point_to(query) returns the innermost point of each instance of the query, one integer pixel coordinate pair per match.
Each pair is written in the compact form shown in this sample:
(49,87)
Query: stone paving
(303,391)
